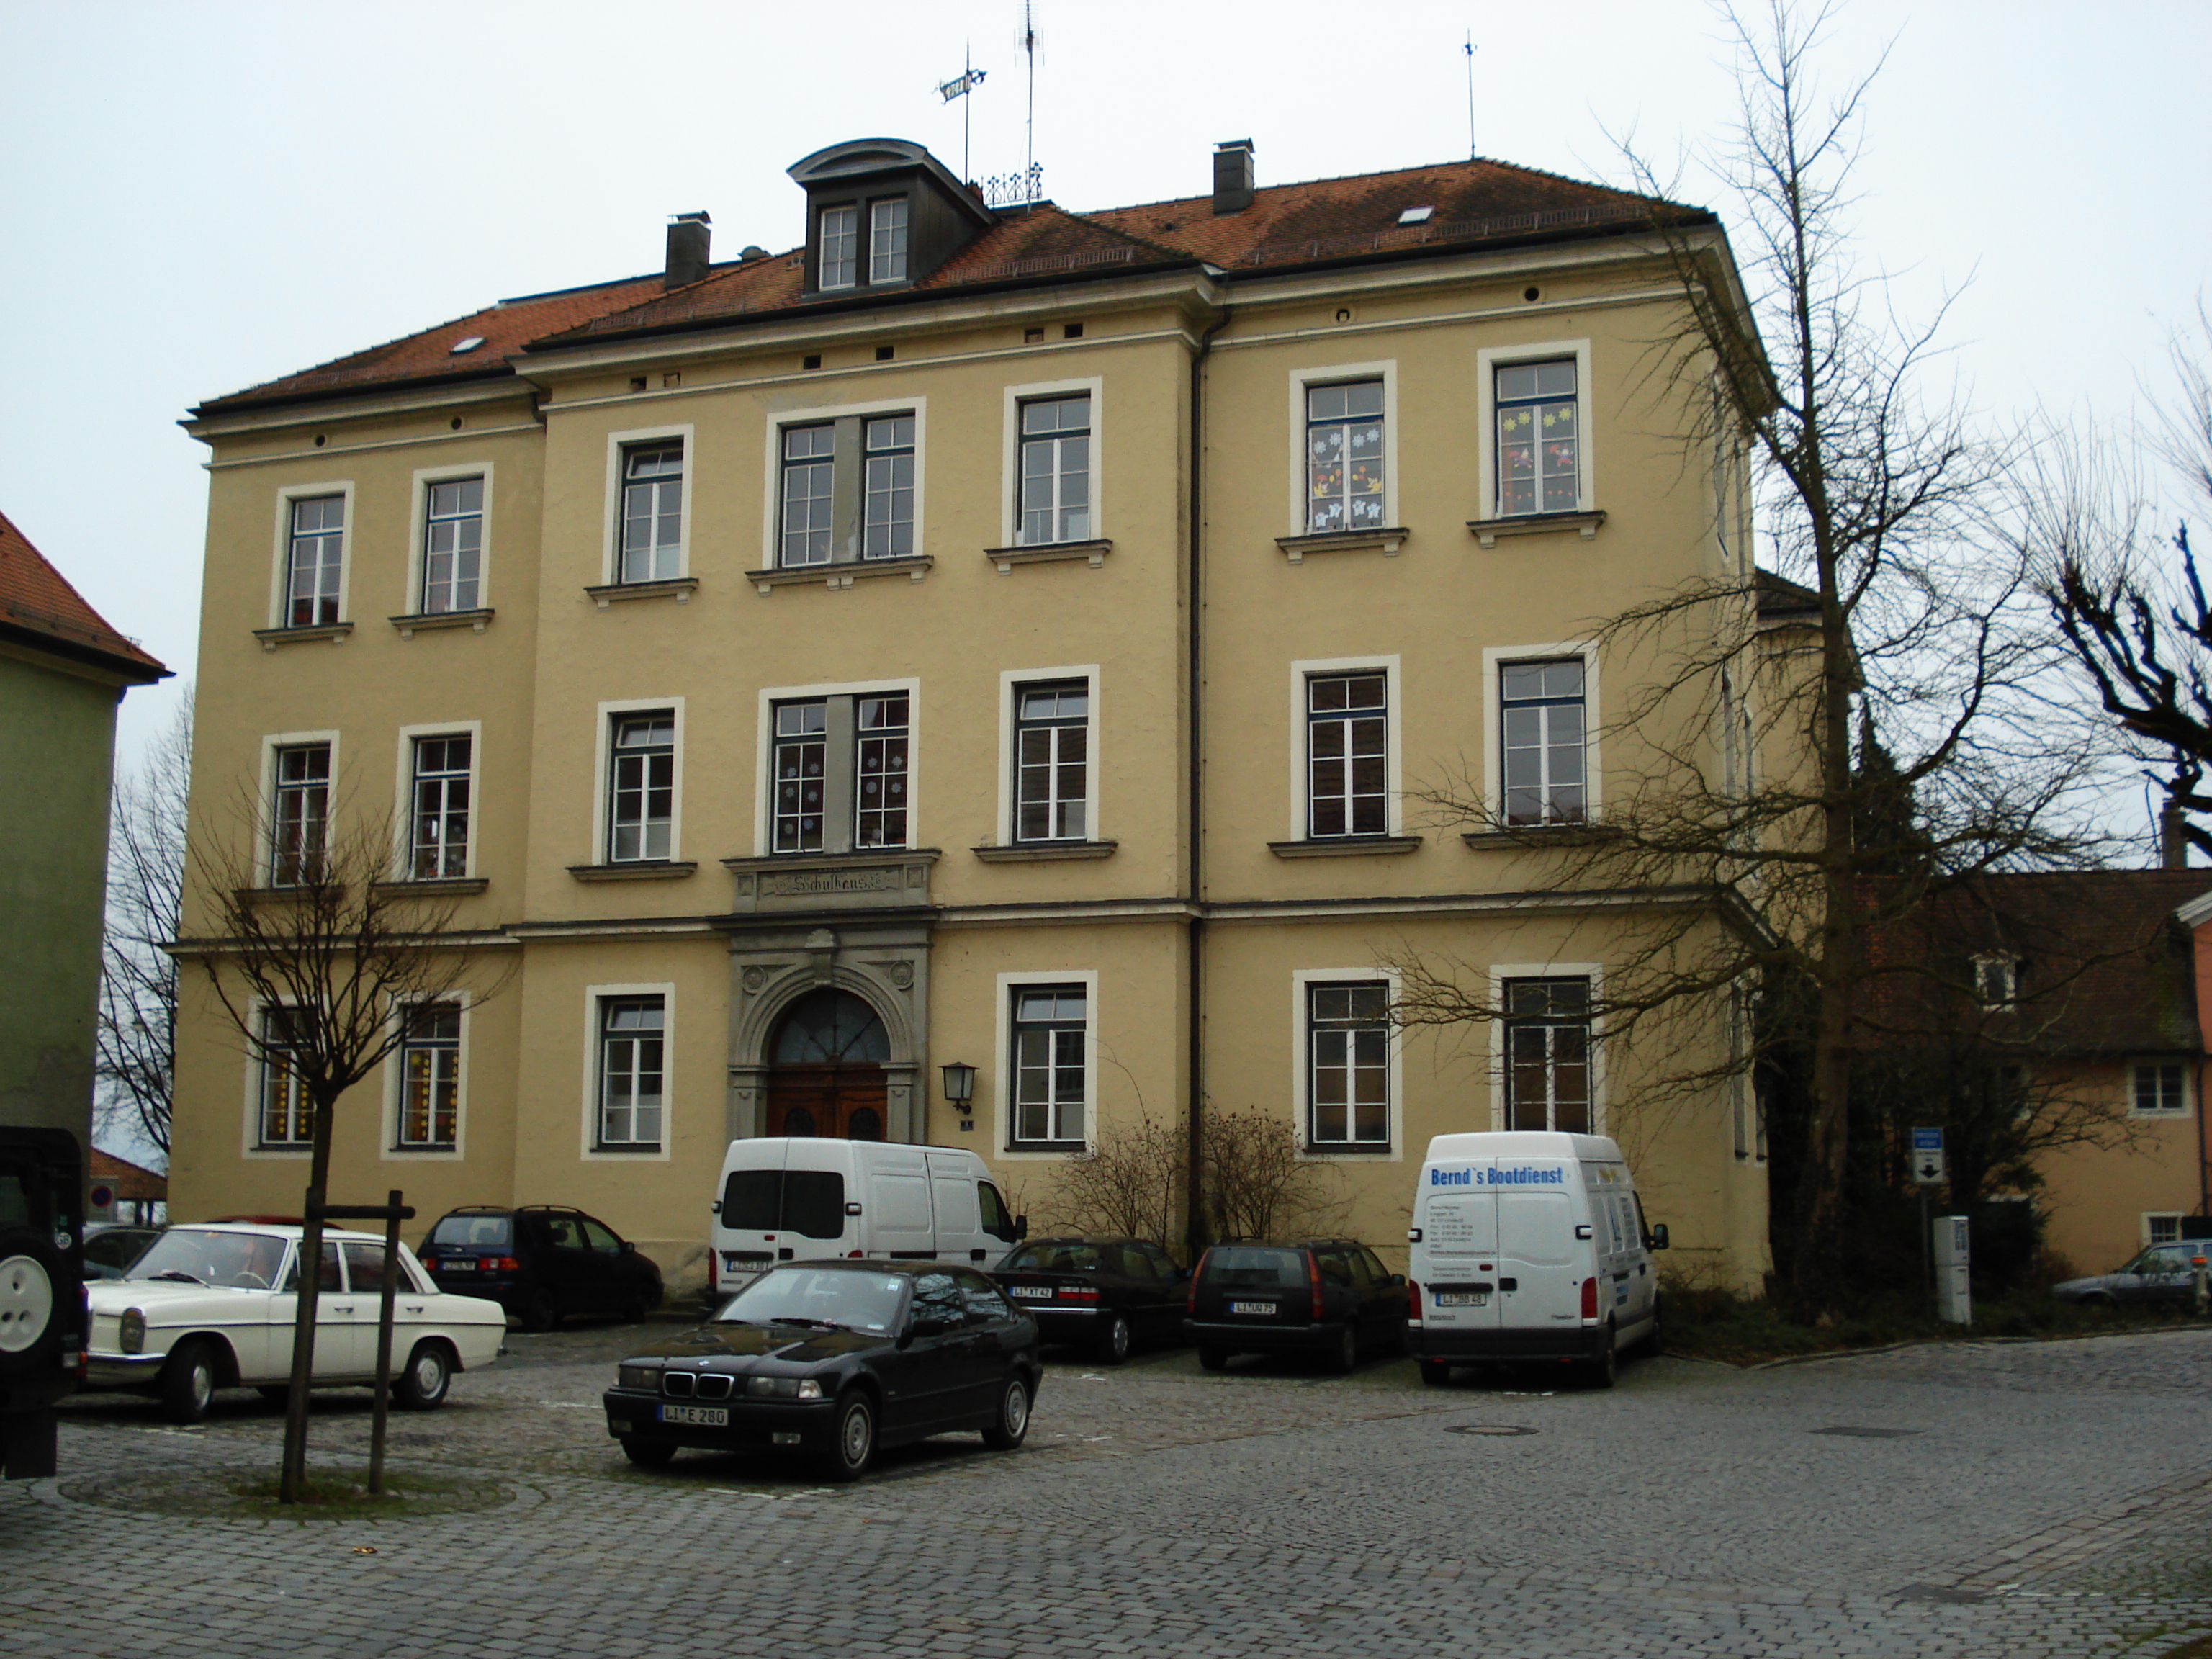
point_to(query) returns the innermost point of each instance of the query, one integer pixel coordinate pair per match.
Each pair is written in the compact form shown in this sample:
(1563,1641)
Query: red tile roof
(38,607)
(131,1180)
(1286,226)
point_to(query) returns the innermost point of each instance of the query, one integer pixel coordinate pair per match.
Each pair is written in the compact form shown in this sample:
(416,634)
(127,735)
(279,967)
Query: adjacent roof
(1323,222)
(39,609)
(129,1180)
(2103,966)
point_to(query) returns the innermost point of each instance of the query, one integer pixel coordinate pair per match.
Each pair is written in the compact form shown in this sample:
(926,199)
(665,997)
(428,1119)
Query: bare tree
(136,1035)
(1129,1182)
(319,976)
(1258,1181)
(1727,867)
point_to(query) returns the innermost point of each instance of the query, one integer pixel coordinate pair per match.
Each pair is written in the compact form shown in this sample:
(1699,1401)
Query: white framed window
(1348,1082)
(844,485)
(2158,1088)
(284,1120)
(299,770)
(1540,763)
(838,771)
(446,570)
(627,1097)
(1049,743)
(1047,1061)
(1547,1063)
(438,778)
(837,247)
(428,1069)
(648,505)
(2161,1226)
(1345,748)
(887,235)
(1996,980)
(641,771)
(1053,457)
(312,524)
(1344,448)
(1537,453)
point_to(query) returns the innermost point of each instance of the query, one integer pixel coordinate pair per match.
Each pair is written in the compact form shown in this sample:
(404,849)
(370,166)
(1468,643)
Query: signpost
(1925,1166)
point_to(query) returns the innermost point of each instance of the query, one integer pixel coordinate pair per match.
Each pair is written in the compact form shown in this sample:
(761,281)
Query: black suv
(1332,1296)
(43,1322)
(540,1262)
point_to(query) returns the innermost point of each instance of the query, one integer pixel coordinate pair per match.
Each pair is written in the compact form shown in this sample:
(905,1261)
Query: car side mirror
(714,1207)
(629,1249)
(1398,1279)
(1658,1237)
(1021,1228)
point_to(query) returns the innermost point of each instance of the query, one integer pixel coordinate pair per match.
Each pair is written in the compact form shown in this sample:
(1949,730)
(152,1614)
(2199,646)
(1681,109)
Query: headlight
(647,1378)
(133,1329)
(783,1387)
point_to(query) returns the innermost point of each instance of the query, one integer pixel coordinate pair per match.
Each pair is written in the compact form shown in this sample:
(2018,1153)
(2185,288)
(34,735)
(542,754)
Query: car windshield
(487,1232)
(818,1296)
(1247,1264)
(209,1255)
(1048,1257)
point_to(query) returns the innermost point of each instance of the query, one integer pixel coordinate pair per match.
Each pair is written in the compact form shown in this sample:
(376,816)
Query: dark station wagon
(1328,1296)
(1104,1295)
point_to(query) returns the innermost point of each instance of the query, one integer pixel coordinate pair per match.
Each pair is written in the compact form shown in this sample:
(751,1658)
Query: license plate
(1263,1309)
(702,1416)
(1462,1298)
(1032,1292)
(738,1261)
(457,1266)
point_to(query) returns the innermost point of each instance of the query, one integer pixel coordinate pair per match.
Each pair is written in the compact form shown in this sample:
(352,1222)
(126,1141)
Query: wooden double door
(843,1101)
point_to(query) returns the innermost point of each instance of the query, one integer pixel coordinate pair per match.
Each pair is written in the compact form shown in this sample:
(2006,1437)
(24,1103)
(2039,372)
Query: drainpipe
(1195,928)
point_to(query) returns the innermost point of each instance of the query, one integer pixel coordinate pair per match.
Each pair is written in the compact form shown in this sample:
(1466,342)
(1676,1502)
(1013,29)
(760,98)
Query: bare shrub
(1257,1183)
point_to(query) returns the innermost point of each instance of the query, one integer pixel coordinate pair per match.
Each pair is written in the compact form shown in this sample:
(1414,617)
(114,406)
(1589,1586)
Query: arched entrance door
(826,1069)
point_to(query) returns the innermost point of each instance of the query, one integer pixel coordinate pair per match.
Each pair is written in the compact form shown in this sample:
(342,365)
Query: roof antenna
(1472,153)
(969,79)
(1028,45)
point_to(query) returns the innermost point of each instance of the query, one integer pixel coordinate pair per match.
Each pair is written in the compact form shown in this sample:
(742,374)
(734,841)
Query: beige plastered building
(983,635)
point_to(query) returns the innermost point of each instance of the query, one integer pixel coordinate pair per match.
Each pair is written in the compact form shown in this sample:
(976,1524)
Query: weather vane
(960,86)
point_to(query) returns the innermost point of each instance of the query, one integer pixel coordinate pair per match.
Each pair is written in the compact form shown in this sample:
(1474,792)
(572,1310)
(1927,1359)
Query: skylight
(1415,216)
(469,344)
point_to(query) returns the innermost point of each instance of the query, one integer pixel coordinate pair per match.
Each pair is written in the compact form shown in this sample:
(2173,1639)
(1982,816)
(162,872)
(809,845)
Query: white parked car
(211,1307)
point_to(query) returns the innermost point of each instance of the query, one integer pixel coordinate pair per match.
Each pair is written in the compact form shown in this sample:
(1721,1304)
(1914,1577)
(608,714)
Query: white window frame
(257,1070)
(904,254)
(618,445)
(402,833)
(2151,1219)
(265,828)
(783,419)
(1500,972)
(2000,970)
(280,575)
(1487,361)
(1302,1071)
(418,522)
(1002,1081)
(602,774)
(1010,494)
(594,995)
(1494,658)
(2179,1113)
(764,765)
(1394,744)
(395,1089)
(1301,380)
(1010,684)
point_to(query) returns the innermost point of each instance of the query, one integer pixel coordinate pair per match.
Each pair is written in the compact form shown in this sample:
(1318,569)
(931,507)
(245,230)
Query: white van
(1529,1245)
(796,1199)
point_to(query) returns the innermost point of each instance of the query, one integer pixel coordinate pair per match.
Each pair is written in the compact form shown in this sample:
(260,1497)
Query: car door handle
(413,1308)
(344,1308)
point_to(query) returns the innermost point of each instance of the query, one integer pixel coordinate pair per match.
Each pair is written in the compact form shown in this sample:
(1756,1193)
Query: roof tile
(36,599)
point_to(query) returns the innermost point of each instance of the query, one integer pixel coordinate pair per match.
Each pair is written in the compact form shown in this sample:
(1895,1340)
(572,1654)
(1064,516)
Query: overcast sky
(199,197)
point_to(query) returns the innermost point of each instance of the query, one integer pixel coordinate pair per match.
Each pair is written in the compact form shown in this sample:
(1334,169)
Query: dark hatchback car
(1102,1294)
(541,1262)
(111,1248)
(837,1357)
(1330,1296)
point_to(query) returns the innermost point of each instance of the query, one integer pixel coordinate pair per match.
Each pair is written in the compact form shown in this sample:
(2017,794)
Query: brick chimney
(687,235)
(1232,176)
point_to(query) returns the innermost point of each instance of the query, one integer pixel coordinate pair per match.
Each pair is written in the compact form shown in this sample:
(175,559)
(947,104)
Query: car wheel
(422,1386)
(853,1444)
(1435,1372)
(1013,1420)
(1111,1346)
(1343,1356)
(188,1382)
(638,1302)
(542,1312)
(1601,1371)
(30,1313)
(648,1454)
(1213,1359)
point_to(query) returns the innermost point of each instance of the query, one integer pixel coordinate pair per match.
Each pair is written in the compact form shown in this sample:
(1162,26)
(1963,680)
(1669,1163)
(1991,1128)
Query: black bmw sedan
(838,1358)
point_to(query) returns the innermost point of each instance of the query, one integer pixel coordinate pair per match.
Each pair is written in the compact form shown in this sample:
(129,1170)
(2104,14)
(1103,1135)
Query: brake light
(502,1264)
(1078,1293)
(1313,1277)
(713,1271)
(1590,1298)
(1190,1296)
(1412,1302)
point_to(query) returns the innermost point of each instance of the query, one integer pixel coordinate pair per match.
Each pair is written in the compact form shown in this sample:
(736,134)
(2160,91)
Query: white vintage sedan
(211,1306)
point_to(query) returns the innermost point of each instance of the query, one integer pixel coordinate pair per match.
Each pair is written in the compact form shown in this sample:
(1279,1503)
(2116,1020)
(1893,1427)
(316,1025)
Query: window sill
(292,893)
(298,1148)
(425,621)
(1068,1148)
(1344,846)
(1537,835)
(843,574)
(1386,542)
(647,1147)
(1041,851)
(633,870)
(270,638)
(678,588)
(1347,1149)
(433,886)
(445,1147)
(1093,553)
(1487,531)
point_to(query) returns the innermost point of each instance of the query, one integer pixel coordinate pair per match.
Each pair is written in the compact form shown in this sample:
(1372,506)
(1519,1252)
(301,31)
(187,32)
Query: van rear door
(1538,1255)
(1459,1239)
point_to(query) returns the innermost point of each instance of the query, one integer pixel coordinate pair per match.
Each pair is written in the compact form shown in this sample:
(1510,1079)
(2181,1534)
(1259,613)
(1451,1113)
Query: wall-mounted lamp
(959,1090)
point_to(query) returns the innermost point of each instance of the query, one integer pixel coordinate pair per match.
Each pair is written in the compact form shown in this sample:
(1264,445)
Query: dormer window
(840,246)
(884,214)
(839,242)
(887,241)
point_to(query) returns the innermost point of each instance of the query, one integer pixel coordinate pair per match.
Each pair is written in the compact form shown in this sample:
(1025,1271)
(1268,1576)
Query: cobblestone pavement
(2014,1499)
